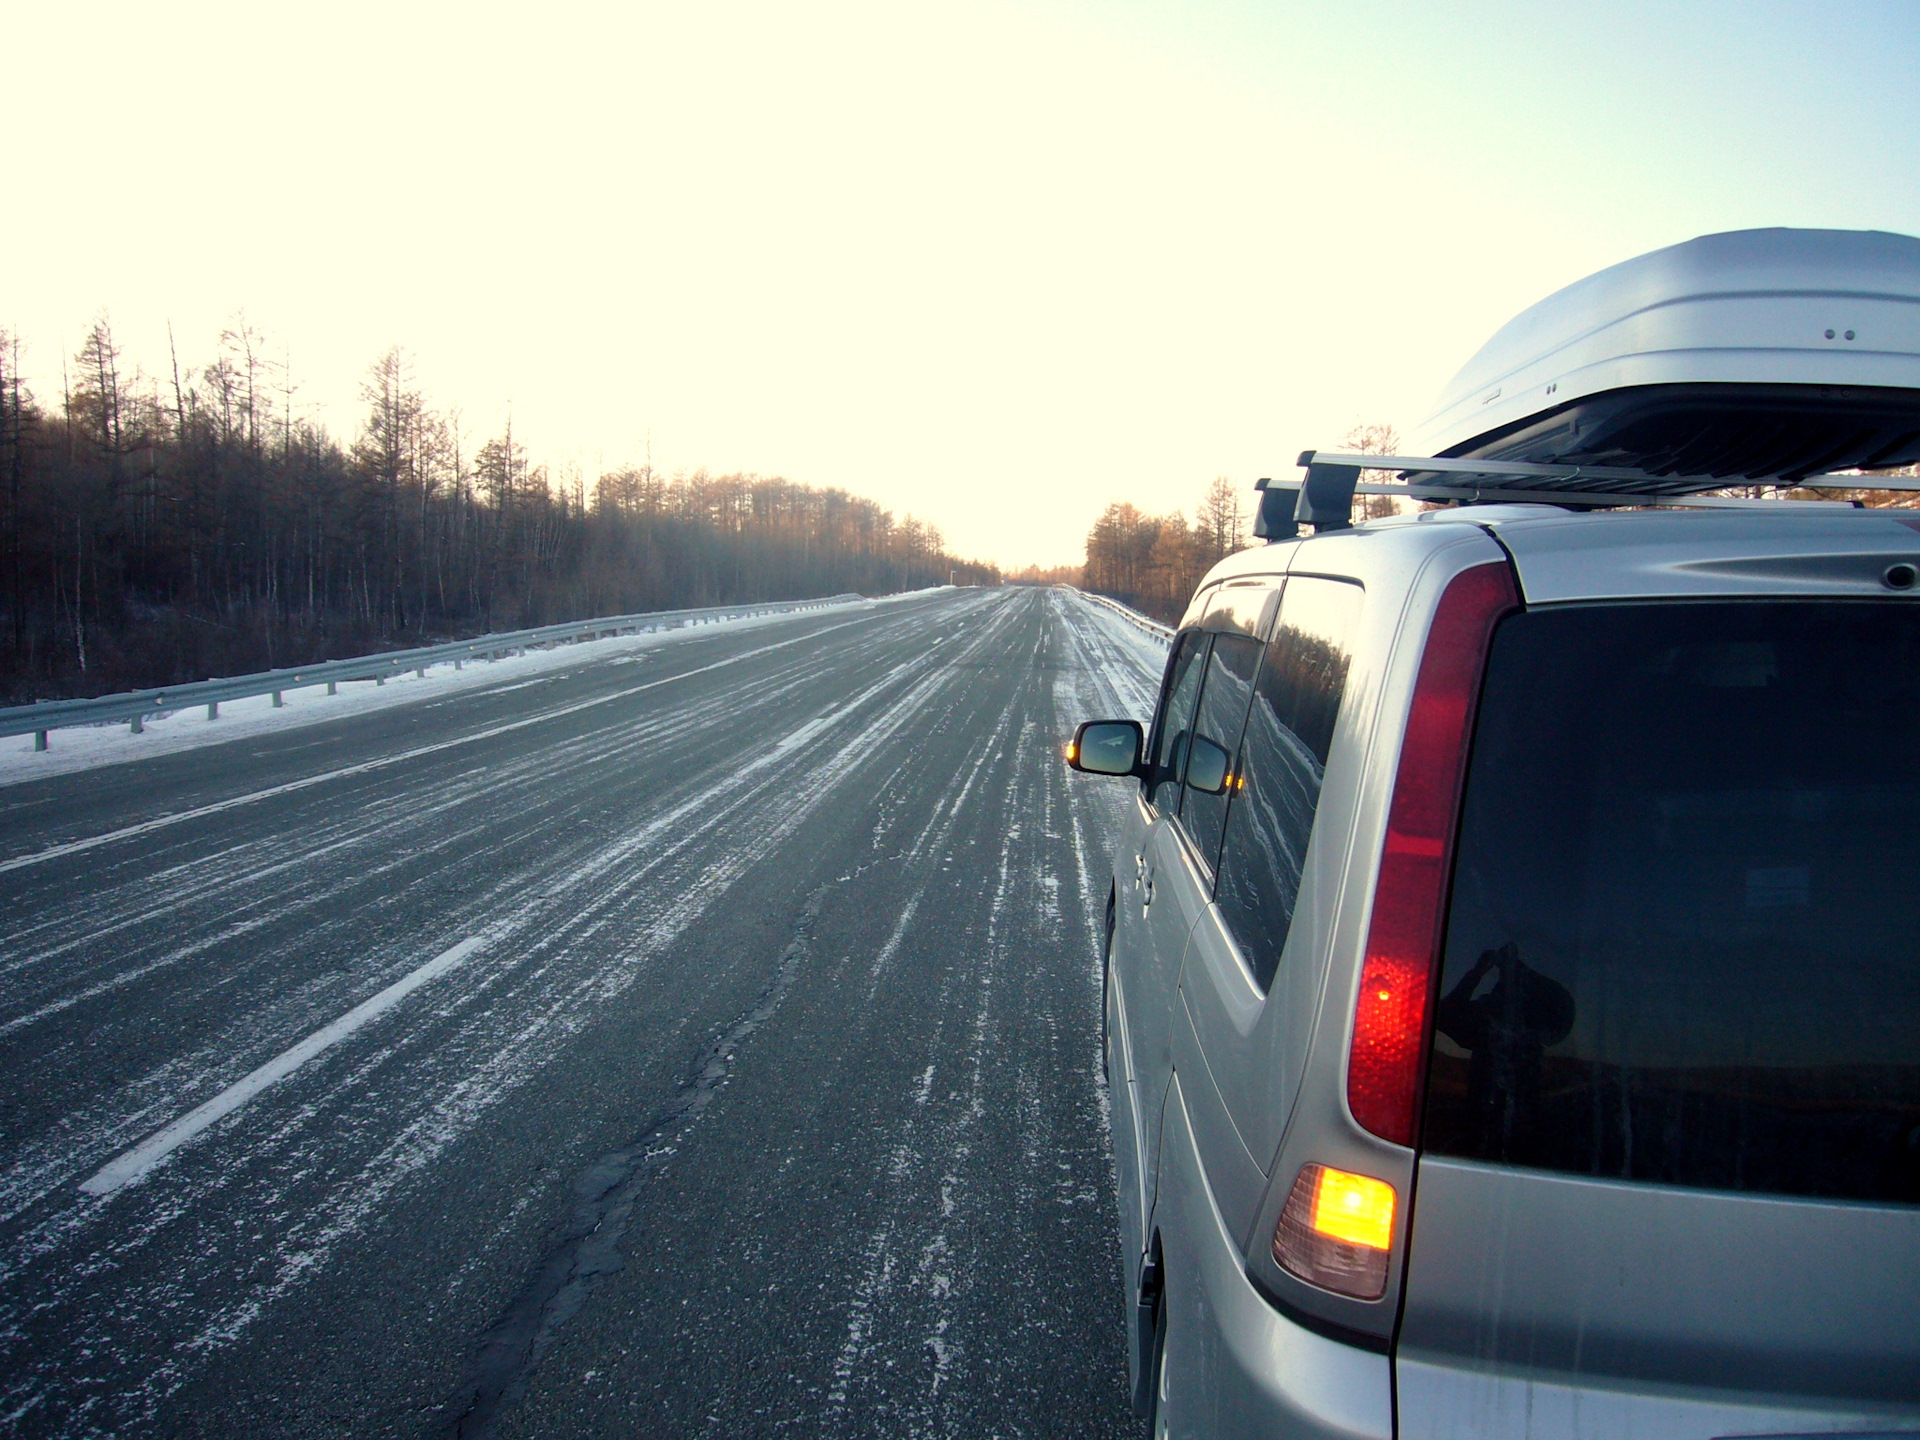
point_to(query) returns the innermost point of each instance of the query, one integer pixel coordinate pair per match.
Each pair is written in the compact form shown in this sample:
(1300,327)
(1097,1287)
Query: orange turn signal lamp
(1355,1208)
(1337,1231)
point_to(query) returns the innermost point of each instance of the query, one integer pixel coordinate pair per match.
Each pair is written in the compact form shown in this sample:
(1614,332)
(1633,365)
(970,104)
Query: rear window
(1684,939)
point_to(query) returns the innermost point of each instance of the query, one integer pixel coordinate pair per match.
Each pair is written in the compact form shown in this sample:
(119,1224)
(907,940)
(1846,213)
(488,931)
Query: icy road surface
(699,1039)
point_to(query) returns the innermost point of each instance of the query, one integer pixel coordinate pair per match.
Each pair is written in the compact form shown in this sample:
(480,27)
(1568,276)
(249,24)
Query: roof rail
(1324,499)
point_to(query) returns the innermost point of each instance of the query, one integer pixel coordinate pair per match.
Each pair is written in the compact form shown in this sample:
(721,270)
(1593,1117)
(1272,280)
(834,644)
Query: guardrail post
(39,739)
(456,666)
(136,728)
(213,709)
(421,672)
(278,703)
(333,687)
(379,680)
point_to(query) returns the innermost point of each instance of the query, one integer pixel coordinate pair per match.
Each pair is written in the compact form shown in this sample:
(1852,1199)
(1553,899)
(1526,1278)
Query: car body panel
(1251,1084)
(1177,898)
(1141,977)
(1802,1309)
(1226,1015)
(1128,1147)
(1235,1178)
(1445,1402)
(1403,572)
(1546,1302)
(1234,1364)
(1677,554)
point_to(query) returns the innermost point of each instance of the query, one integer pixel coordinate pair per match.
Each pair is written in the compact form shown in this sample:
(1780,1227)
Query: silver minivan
(1513,980)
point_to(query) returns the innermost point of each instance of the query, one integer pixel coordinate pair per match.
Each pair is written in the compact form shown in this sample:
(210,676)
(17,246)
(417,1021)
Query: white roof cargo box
(1750,355)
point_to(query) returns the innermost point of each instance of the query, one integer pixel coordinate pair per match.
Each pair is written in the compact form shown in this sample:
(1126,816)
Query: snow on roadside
(1148,652)
(85,747)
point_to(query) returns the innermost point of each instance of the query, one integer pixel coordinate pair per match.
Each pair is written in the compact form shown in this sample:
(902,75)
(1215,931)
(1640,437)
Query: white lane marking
(74,847)
(137,1162)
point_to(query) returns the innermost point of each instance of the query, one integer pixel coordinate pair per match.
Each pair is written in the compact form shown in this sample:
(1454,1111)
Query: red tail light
(1390,1024)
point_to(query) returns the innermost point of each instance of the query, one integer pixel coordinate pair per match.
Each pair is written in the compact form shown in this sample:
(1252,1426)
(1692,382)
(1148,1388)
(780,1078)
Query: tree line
(157,530)
(1155,562)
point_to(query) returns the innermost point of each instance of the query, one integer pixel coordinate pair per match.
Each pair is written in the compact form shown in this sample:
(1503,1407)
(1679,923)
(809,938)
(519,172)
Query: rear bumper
(1235,1365)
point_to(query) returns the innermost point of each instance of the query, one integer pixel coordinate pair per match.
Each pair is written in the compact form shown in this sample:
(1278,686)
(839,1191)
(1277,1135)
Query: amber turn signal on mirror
(1337,1231)
(1106,747)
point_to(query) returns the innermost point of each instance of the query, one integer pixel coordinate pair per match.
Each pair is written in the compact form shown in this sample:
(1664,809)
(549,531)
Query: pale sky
(993,264)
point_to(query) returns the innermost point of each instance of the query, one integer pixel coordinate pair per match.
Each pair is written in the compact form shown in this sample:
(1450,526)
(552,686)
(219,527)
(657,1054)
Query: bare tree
(1218,530)
(244,350)
(1375,439)
(386,452)
(99,399)
(14,402)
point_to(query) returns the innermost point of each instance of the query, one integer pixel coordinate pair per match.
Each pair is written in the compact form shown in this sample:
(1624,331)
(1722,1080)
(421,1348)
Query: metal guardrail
(1132,617)
(138,706)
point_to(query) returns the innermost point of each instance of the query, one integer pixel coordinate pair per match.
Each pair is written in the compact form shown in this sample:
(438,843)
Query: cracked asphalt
(714,1053)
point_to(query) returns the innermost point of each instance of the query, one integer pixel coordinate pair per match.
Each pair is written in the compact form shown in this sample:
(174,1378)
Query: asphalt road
(699,1042)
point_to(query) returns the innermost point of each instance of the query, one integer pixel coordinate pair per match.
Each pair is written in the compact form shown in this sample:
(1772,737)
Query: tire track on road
(690,853)
(382,762)
(986,1144)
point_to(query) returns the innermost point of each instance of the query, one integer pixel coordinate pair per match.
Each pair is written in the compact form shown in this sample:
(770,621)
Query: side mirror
(1207,766)
(1107,747)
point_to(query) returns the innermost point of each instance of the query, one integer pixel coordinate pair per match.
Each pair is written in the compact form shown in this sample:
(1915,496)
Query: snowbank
(85,747)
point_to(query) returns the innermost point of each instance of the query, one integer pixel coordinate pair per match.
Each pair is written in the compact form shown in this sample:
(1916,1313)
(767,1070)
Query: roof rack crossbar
(1615,478)
(1602,498)
(1324,498)
(1903,483)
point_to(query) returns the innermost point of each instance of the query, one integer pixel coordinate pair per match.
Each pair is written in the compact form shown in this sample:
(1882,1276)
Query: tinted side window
(1682,943)
(1216,736)
(1176,719)
(1276,787)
